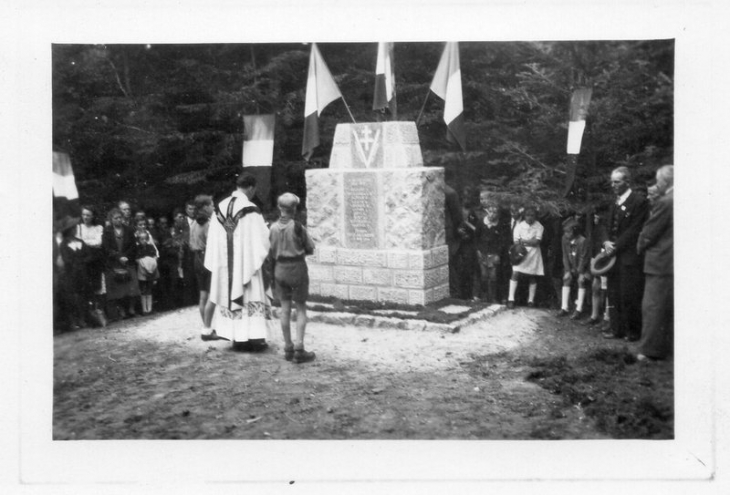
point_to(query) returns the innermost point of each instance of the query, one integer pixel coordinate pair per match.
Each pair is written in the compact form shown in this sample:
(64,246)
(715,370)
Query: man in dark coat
(453,219)
(656,242)
(626,217)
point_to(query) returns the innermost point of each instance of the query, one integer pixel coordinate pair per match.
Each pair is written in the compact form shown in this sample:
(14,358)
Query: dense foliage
(159,123)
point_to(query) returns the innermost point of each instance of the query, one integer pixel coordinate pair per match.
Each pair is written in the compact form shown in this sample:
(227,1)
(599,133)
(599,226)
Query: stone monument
(377,218)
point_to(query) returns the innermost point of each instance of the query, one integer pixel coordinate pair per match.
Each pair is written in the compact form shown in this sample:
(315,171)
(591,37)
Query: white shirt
(622,199)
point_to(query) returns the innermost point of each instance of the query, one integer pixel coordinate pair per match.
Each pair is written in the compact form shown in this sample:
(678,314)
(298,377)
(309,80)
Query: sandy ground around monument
(153,378)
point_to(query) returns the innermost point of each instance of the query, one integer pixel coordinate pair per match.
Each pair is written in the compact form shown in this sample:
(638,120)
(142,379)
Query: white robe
(246,314)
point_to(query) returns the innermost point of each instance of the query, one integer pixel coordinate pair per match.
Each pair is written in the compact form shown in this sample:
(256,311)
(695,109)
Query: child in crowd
(290,242)
(147,272)
(492,239)
(140,228)
(527,232)
(576,267)
(599,283)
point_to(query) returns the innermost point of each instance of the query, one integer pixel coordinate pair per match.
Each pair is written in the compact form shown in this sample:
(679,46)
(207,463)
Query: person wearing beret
(626,217)
(656,242)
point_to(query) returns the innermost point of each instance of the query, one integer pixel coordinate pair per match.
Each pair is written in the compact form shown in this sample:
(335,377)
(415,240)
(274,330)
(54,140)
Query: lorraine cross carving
(367,144)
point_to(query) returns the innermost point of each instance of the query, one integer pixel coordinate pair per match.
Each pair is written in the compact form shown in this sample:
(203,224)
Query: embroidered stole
(229,223)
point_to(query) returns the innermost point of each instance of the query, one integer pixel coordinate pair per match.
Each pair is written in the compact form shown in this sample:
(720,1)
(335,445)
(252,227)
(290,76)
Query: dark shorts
(291,281)
(202,274)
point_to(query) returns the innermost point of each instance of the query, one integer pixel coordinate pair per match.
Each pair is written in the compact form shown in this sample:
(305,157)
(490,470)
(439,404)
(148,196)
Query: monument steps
(376,318)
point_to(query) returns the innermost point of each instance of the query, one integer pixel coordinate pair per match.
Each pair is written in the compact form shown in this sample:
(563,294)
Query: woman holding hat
(528,232)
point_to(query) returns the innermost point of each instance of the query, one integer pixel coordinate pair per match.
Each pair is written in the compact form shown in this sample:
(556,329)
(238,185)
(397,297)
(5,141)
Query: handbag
(517,253)
(120,275)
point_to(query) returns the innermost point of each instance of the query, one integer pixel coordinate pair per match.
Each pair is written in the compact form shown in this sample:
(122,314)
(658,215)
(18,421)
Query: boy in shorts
(290,243)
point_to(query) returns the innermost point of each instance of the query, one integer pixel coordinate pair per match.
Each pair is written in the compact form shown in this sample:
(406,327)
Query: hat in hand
(602,263)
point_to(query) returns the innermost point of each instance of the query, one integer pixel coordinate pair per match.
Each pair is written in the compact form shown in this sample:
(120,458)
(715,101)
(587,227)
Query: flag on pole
(447,86)
(384,96)
(579,102)
(64,184)
(321,91)
(258,140)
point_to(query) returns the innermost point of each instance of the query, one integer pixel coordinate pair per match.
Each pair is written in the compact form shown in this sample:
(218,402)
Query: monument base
(399,276)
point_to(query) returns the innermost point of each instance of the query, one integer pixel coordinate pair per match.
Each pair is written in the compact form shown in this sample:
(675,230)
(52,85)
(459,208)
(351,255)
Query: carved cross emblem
(367,144)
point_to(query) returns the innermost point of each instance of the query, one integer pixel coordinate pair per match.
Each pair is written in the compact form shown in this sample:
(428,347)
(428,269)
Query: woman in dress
(120,247)
(527,232)
(91,233)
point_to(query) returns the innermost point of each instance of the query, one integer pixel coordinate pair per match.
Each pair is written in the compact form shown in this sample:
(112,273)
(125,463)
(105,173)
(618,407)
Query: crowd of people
(225,258)
(125,264)
(616,260)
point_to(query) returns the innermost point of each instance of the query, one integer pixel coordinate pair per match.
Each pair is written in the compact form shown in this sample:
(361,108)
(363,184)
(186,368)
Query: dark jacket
(656,239)
(623,226)
(112,251)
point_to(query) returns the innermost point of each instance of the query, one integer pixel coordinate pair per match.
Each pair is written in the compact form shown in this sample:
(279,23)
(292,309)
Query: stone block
(348,274)
(440,255)
(324,206)
(398,260)
(377,276)
(413,202)
(438,293)
(419,260)
(409,279)
(393,295)
(361,257)
(339,291)
(416,297)
(400,133)
(327,254)
(363,293)
(320,273)
(402,157)
(436,276)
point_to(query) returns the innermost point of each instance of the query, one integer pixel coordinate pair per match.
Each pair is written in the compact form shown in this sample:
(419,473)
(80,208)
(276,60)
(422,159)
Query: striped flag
(258,140)
(579,102)
(447,86)
(321,91)
(64,184)
(384,96)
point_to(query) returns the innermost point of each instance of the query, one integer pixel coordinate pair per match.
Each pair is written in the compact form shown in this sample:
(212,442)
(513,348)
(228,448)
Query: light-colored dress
(532,264)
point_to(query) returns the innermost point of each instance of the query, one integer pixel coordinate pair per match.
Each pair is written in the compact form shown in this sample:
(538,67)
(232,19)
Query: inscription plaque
(361,210)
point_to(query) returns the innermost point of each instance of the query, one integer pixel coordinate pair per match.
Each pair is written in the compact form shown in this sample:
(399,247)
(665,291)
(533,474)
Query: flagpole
(348,110)
(420,114)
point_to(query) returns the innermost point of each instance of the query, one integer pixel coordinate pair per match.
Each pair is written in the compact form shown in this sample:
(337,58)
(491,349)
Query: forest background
(158,124)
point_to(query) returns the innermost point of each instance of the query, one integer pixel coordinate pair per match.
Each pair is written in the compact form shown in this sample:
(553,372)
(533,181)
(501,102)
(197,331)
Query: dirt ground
(522,374)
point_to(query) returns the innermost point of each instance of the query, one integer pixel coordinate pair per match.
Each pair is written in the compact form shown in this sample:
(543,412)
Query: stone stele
(376,216)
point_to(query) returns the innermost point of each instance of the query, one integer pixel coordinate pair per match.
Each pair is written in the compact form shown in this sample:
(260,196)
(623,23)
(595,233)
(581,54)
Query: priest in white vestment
(237,246)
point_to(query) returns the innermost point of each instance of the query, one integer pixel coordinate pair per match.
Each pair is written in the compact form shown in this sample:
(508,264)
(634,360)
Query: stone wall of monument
(377,218)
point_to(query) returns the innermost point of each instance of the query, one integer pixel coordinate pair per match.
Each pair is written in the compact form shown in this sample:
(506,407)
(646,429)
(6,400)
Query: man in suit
(626,217)
(656,242)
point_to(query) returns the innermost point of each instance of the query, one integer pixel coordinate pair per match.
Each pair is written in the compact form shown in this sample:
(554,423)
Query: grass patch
(626,398)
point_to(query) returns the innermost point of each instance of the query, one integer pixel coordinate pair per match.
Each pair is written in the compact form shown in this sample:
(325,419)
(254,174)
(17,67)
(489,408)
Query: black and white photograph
(318,259)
